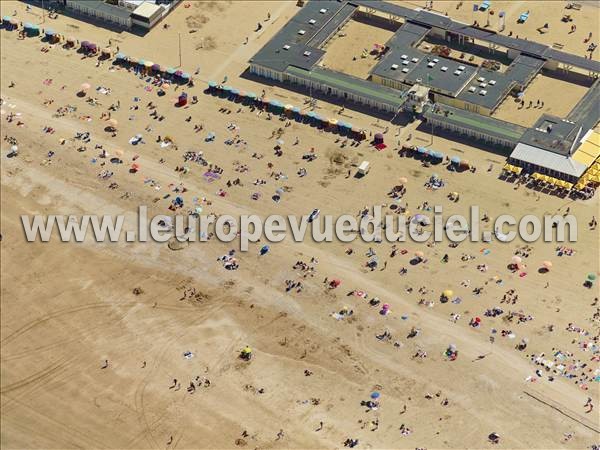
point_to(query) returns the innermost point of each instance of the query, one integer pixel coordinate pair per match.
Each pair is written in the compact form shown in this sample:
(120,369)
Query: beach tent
(31,30)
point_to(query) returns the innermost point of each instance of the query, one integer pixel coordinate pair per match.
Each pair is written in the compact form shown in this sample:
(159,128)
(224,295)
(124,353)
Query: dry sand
(345,51)
(68,307)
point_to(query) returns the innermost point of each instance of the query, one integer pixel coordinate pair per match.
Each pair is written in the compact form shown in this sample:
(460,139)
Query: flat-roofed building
(147,15)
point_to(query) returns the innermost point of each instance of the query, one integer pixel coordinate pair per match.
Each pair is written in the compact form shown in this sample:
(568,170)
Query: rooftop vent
(307,53)
(431,64)
(323,10)
(286,47)
(444,69)
(492,82)
(301,31)
(405,63)
(418,80)
(481,79)
(403,57)
(394,66)
(415,60)
(482,92)
(461,68)
(312,21)
(472,89)
(405,70)
(457,72)
(482,85)
(435,60)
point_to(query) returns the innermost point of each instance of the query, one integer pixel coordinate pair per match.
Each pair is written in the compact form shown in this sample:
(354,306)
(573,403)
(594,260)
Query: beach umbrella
(178,73)
(379,136)
(516,259)
(422,150)
(119,152)
(226,88)
(547,264)
(335,283)
(464,163)
(419,254)
(141,62)
(120,56)
(296,110)
(437,155)
(170,70)
(135,167)
(113,123)
(591,277)
(333,122)
(212,84)
(242,94)
(85,86)
(251,95)
(288,107)
(234,92)
(375,395)
(50,32)
(156,67)
(6,19)
(447,293)
(148,64)
(84,44)
(185,76)
(310,114)
(165,86)
(403,180)
(28,26)
(280,142)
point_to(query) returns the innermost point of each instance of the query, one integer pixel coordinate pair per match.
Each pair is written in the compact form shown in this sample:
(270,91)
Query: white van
(363,169)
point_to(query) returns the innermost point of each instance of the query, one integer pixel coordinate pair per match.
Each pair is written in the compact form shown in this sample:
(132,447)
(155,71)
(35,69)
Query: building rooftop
(297,42)
(351,84)
(549,160)
(405,63)
(147,9)
(552,133)
(524,68)
(487,88)
(104,8)
(484,124)
(586,111)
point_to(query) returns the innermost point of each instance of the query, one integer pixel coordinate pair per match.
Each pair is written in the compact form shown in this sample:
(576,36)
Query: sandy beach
(101,343)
